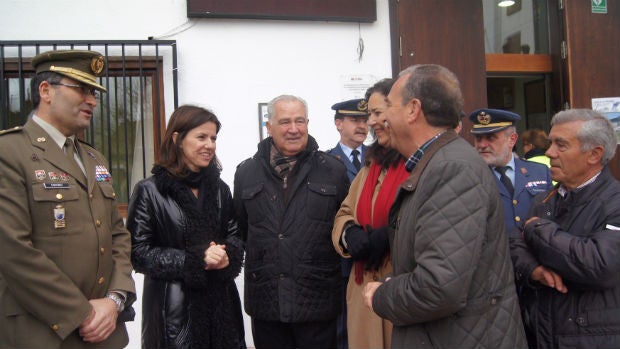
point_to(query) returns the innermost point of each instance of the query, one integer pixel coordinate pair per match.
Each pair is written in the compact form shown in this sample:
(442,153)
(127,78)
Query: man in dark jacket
(452,285)
(286,197)
(568,257)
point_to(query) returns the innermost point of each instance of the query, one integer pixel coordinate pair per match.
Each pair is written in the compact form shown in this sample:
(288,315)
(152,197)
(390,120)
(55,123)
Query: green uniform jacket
(62,242)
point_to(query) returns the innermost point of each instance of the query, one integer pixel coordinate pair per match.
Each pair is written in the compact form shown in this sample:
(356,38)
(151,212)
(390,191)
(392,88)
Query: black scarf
(202,181)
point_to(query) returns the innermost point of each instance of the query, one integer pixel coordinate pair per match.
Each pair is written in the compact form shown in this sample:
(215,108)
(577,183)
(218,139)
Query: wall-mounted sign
(262,121)
(315,10)
(610,107)
(599,6)
(355,86)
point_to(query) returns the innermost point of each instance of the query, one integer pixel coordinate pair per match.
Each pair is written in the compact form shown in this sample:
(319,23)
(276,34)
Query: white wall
(228,66)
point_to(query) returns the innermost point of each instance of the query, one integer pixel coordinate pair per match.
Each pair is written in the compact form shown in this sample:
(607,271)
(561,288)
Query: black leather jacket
(292,272)
(578,238)
(160,226)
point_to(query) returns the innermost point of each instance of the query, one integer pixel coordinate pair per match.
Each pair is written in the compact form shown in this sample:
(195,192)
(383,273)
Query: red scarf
(379,217)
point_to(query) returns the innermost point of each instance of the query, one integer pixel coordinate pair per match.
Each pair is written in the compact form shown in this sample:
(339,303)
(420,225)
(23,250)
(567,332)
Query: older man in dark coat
(567,259)
(286,198)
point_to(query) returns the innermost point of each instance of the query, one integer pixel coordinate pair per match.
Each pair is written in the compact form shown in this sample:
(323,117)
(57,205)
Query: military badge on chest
(102,174)
(59,217)
(40,175)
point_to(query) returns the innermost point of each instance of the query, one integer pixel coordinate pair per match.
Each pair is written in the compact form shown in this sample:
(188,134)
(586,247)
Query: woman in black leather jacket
(185,241)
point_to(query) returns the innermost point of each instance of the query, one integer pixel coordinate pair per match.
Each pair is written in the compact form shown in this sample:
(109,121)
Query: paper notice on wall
(610,107)
(355,86)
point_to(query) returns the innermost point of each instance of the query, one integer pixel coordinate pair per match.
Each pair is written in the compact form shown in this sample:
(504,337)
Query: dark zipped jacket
(292,272)
(169,237)
(579,238)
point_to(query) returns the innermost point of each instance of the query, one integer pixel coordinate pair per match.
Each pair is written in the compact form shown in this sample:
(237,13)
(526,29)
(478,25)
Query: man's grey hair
(510,130)
(596,130)
(288,98)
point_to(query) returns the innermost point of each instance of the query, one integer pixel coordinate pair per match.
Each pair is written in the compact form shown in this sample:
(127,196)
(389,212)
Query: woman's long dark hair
(184,119)
(385,156)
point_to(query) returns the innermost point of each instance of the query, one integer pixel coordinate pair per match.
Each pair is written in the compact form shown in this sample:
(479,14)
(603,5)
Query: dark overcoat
(578,237)
(292,272)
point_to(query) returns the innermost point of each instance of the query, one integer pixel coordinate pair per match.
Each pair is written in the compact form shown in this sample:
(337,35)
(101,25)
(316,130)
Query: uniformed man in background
(65,270)
(518,180)
(350,119)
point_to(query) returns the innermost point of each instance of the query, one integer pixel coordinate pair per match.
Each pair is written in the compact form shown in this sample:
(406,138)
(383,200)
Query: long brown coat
(49,272)
(365,329)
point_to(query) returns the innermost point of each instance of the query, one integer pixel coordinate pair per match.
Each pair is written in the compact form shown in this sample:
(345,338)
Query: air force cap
(353,108)
(492,120)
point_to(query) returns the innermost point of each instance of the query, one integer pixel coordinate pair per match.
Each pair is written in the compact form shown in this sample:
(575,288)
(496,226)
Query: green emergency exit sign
(599,6)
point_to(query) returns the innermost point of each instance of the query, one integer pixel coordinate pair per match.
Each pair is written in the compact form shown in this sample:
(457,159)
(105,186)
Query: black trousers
(302,335)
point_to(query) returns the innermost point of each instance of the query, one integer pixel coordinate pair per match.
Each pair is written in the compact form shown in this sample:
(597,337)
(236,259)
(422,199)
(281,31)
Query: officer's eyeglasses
(85,90)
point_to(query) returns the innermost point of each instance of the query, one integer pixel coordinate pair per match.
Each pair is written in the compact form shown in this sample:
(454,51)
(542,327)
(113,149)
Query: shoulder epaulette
(84,142)
(11,130)
(327,153)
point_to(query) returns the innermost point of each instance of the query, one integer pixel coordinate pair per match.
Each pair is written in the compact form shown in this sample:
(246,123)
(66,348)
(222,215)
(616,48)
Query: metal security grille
(130,118)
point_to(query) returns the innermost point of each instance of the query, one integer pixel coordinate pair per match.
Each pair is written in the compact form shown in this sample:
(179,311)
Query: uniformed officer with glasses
(65,271)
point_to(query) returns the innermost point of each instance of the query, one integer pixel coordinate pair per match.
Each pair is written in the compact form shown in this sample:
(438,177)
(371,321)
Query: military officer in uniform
(65,270)
(518,180)
(350,118)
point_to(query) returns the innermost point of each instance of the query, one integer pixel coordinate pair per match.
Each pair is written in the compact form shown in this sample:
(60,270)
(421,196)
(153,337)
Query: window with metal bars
(129,120)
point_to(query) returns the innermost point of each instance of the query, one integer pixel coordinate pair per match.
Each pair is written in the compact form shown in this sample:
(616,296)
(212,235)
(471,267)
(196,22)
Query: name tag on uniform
(56,185)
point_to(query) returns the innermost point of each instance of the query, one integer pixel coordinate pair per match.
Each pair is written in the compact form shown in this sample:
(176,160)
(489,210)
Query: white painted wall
(228,66)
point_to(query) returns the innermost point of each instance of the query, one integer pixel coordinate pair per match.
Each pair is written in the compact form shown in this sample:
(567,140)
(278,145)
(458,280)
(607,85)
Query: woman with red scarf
(361,226)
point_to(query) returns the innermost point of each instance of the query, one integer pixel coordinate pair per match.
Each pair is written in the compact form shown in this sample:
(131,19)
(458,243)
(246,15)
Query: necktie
(505,180)
(69,149)
(356,160)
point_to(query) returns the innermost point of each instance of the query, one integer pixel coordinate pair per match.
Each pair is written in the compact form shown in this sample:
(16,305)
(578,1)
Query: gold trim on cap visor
(351,112)
(74,72)
(497,124)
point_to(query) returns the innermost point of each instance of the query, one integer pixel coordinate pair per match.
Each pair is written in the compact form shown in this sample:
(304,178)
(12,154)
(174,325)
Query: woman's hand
(216,257)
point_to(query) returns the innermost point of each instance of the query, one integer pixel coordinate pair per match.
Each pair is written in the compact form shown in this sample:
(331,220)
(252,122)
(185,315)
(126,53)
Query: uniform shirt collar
(347,151)
(510,172)
(56,135)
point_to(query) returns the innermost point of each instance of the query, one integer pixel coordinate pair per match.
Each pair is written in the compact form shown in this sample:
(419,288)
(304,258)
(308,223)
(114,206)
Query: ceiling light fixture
(505,3)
